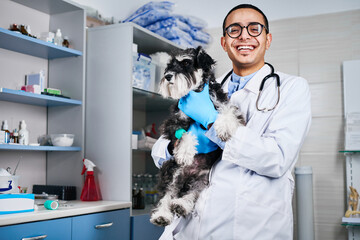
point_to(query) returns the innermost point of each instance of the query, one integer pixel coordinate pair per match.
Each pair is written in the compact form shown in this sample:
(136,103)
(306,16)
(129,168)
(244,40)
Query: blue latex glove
(198,106)
(205,144)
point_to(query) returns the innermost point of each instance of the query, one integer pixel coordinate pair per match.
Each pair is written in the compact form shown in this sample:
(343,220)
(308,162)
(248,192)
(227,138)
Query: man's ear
(268,40)
(223,43)
(204,60)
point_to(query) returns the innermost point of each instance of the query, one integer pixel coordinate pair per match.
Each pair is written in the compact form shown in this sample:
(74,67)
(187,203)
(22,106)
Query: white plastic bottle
(5,128)
(23,134)
(58,38)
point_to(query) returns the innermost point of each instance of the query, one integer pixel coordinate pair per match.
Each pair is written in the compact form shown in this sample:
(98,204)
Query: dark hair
(246,6)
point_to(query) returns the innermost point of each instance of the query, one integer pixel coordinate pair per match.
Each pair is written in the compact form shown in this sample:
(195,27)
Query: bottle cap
(22,124)
(5,125)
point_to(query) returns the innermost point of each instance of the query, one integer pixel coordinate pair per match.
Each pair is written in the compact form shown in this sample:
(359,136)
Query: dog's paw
(161,219)
(185,151)
(181,207)
(229,119)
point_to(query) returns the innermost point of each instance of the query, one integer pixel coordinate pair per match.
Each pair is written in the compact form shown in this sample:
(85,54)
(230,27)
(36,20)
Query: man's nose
(244,34)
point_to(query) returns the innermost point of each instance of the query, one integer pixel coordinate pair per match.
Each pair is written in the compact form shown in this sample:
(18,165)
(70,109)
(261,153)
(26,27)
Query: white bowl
(62,140)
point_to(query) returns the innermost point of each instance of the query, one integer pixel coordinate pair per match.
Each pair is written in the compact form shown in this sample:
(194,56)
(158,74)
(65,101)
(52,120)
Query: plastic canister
(304,203)
(9,184)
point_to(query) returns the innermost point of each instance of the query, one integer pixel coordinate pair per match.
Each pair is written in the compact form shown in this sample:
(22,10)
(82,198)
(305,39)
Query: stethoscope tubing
(271,75)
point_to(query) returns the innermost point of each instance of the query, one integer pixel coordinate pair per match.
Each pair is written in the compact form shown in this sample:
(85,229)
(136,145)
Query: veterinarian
(251,186)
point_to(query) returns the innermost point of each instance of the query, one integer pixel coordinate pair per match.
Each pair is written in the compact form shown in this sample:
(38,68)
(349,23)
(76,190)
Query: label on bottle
(2,137)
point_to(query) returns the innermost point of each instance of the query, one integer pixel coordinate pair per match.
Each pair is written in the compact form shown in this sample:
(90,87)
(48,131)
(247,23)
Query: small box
(16,203)
(134,142)
(32,88)
(36,79)
(143,72)
(53,91)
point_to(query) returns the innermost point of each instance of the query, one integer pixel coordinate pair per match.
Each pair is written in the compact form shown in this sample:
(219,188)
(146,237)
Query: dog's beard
(180,85)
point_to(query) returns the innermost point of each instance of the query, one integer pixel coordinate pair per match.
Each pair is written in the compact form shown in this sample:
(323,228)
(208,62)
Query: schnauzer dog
(183,177)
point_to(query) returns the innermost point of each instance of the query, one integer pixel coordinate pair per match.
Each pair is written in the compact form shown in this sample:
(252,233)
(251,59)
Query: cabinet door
(142,228)
(59,229)
(105,225)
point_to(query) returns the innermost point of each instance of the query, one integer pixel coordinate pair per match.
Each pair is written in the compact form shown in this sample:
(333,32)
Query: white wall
(214,11)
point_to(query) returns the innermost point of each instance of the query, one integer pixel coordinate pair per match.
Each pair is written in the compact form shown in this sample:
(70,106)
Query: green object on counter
(51,204)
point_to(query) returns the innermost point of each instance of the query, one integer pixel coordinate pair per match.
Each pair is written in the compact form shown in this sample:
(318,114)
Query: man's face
(246,52)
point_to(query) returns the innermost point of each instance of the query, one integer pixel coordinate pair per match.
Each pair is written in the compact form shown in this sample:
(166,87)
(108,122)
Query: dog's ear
(204,61)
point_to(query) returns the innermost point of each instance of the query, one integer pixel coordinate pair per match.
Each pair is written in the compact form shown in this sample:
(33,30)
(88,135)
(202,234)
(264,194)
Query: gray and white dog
(183,177)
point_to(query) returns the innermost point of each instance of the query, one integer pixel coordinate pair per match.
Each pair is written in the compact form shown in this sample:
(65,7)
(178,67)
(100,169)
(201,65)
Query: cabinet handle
(106,225)
(35,238)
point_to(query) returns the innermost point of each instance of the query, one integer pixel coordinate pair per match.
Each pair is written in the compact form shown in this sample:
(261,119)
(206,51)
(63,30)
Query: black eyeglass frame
(247,29)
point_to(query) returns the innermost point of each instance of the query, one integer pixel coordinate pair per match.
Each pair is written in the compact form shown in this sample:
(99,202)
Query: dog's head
(186,70)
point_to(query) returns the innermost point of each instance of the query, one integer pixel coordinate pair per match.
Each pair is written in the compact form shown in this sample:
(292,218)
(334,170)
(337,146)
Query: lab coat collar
(254,84)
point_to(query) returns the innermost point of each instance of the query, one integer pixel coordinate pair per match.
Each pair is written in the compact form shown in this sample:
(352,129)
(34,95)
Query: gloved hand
(205,144)
(198,106)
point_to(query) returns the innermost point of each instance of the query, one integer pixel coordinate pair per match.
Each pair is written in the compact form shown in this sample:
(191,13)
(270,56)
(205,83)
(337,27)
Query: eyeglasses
(254,29)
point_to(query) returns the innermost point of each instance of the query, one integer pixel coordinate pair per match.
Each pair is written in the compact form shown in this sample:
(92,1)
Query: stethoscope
(272,74)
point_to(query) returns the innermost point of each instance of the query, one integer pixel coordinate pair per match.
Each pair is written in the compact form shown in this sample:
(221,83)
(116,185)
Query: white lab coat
(251,187)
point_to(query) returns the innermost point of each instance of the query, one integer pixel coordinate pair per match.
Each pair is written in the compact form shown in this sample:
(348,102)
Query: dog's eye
(186,62)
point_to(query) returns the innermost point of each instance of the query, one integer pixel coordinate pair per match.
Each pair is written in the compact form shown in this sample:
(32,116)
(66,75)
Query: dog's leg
(184,205)
(192,180)
(185,151)
(161,215)
(229,119)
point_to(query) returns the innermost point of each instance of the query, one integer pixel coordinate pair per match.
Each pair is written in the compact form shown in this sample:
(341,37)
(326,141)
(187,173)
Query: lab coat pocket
(263,209)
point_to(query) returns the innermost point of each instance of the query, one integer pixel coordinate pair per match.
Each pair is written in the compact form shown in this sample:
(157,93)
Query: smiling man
(251,186)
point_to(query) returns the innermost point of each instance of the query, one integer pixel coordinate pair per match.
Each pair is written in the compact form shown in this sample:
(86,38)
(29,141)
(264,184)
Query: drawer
(105,225)
(59,229)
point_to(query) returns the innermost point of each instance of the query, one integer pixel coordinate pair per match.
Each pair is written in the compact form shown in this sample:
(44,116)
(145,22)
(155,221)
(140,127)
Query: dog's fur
(184,176)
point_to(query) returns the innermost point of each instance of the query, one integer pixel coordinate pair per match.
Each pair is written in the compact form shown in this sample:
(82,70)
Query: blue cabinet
(96,226)
(58,229)
(99,226)
(142,228)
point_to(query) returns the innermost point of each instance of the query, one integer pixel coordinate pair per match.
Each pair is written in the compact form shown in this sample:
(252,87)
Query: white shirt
(251,187)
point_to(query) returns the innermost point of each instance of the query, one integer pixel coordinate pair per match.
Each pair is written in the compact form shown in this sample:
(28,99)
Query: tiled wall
(314,48)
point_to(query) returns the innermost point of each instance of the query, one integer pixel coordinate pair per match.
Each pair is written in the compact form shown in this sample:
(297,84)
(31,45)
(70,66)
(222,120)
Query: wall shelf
(18,96)
(149,101)
(38,148)
(18,42)
(350,151)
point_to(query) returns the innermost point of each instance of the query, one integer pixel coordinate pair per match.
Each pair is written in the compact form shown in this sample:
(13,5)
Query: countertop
(65,209)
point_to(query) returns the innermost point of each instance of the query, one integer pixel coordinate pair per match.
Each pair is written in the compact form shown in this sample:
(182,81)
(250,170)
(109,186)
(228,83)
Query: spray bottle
(90,191)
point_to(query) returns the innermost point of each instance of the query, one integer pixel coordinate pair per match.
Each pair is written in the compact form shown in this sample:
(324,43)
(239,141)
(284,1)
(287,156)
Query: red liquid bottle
(90,191)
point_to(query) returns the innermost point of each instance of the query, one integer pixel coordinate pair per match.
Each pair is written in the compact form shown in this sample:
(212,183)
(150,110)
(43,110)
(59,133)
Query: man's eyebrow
(247,23)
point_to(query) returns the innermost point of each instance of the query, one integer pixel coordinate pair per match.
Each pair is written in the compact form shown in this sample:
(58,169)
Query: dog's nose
(168,77)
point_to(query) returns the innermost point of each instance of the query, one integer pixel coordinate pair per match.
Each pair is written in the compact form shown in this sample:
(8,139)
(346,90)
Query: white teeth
(245,48)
